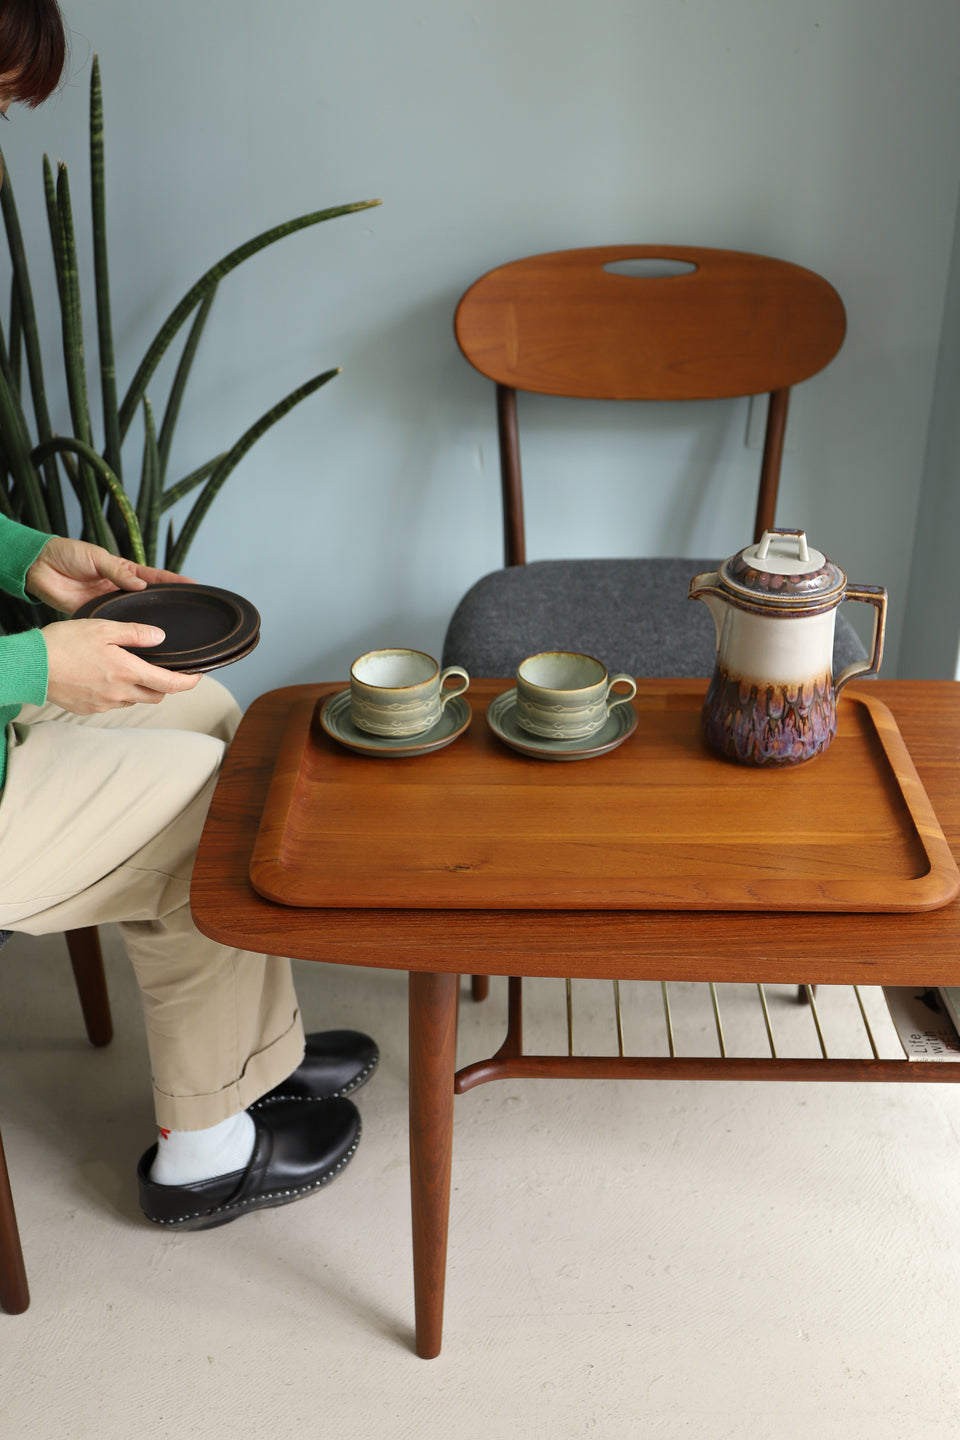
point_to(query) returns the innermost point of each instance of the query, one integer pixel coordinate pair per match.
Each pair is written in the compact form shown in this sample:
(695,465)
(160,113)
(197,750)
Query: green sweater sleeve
(19,547)
(23,658)
(23,671)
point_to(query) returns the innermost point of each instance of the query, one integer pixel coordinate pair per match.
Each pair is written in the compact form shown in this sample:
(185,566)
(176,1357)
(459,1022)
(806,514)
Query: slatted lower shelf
(849,1035)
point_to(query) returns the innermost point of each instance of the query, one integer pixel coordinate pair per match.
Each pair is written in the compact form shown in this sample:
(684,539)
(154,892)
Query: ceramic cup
(564,696)
(400,692)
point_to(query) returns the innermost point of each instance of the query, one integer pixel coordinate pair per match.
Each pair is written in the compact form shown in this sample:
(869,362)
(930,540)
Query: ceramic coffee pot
(773,697)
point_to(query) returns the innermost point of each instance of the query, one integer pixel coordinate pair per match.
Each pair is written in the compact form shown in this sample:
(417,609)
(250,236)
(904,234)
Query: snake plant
(33,465)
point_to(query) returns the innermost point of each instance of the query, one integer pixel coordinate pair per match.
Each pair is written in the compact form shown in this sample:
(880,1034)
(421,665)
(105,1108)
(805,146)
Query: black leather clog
(297,1150)
(335,1062)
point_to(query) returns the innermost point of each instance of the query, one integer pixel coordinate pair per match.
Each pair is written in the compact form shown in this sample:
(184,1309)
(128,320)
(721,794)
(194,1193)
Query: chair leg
(14,1294)
(87,961)
(480,986)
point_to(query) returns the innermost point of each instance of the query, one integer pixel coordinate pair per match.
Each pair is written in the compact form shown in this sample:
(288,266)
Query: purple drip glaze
(769,724)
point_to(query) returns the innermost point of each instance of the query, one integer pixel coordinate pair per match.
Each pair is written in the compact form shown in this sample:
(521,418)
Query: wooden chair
(565,324)
(87,961)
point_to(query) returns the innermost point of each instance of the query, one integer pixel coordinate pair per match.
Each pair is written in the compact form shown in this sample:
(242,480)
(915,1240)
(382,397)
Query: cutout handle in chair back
(728,324)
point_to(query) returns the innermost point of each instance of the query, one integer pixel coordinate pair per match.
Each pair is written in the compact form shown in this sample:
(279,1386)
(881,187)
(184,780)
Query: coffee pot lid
(782,569)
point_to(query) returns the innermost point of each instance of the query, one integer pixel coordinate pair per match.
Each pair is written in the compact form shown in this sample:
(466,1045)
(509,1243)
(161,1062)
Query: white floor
(626,1259)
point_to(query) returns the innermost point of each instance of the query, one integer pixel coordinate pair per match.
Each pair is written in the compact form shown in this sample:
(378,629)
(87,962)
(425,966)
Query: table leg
(433,1046)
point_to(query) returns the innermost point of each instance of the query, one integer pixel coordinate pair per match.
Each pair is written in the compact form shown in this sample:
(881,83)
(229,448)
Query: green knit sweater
(23,657)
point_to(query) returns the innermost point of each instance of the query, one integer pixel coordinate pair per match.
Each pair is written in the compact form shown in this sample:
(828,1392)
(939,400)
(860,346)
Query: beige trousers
(100,819)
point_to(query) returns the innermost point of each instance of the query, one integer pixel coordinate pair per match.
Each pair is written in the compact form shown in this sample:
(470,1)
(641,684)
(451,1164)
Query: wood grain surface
(868,948)
(737,324)
(660,823)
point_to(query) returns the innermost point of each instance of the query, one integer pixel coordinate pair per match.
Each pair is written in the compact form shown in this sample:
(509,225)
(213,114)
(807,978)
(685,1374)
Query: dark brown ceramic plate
(204,627)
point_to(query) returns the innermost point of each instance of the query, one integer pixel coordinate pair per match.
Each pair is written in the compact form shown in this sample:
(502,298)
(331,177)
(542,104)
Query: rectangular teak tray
(661,823)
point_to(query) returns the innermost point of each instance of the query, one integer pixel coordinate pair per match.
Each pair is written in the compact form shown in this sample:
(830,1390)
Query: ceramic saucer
(335,720)
(502,719)
(205,628)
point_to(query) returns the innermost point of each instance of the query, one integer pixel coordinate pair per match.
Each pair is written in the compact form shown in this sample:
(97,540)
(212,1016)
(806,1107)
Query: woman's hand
(68,573)
(90,671)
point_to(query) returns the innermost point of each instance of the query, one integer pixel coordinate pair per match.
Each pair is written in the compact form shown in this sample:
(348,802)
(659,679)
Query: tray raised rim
(276,880)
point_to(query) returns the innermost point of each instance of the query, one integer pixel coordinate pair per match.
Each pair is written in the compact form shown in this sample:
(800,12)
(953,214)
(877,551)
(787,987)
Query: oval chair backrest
(571,323)
(730,324)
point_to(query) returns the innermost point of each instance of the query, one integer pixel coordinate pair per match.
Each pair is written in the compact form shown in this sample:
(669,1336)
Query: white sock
(185,1156)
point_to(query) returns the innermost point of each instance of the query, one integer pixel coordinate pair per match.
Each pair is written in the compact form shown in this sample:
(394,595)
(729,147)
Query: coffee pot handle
(876,596)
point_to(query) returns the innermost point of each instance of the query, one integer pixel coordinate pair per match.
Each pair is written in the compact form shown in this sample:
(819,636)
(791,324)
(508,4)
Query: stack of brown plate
(204,628)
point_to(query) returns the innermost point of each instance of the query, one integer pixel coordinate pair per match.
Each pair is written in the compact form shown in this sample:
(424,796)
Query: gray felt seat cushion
(634,615)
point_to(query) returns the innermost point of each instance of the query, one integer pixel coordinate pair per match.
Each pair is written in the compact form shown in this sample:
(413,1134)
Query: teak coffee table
(655,861)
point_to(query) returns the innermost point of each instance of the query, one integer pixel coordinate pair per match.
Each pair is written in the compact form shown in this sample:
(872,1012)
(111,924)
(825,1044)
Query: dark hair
(33,49)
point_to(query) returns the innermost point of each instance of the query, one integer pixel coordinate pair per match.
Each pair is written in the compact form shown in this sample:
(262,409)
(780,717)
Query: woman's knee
(207,709)
(224,712)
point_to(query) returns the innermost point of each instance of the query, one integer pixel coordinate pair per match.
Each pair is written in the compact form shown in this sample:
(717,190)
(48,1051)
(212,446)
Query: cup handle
(620,699)
(449,694)
(876,596)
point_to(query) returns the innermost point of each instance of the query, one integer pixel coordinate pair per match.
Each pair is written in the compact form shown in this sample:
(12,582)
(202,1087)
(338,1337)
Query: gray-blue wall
(824,133)
(930,642)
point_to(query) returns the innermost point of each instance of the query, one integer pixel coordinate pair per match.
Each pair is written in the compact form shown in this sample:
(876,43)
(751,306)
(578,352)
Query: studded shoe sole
(297,1150)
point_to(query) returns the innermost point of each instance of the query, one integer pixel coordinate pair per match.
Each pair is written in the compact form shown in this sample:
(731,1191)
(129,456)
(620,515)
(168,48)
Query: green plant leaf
(72,471)
(148,505)
(175,397)
(249,438)
(89,456)
(16,441)
(60,216)
(72,314)
(53,221)
(196,293)
(98,207)
(176,492)
(16,335)
(31,342)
